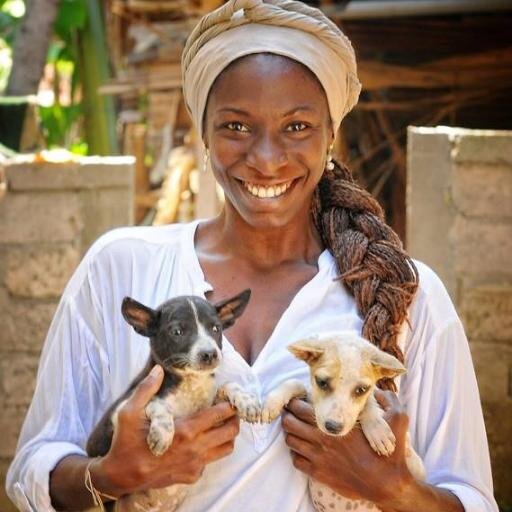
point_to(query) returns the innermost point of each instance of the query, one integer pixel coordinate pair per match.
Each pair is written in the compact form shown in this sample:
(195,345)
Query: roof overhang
(358,9)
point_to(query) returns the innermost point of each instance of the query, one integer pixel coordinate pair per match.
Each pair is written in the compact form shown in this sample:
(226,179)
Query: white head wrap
(283,27)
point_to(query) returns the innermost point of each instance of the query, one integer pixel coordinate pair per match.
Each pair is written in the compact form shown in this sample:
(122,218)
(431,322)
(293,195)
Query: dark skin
(267,124)
(256,134)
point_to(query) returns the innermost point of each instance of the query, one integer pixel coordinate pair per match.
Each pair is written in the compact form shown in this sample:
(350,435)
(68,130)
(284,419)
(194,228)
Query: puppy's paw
(272,407)
(248,407)
(160,437)
(279,397)
(247,404)
(161,426)
(379,435)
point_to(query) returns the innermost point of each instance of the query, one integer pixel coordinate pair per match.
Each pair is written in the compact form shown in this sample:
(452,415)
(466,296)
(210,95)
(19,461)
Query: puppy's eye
(322,383)
(360,390)
(215,328)
(177,332)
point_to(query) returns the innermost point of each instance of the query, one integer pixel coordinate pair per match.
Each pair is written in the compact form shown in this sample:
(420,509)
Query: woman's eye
(361,390)
(236,127)
(323,384)
(296,127)
(177,332)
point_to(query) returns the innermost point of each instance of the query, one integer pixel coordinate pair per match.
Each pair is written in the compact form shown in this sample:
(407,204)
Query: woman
(267,88)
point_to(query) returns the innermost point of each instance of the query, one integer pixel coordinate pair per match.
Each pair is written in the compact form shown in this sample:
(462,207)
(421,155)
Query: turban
(283,27)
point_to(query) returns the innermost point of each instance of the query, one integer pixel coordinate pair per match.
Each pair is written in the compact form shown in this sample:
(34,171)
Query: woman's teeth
(264,192)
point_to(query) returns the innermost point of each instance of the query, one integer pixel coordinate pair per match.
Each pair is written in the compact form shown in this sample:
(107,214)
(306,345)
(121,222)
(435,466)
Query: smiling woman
(268,138)
(267,84)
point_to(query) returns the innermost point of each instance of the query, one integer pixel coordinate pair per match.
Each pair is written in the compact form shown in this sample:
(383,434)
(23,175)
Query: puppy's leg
(279,397)
(376,429)
(413,460)
(161,427)
(247,404)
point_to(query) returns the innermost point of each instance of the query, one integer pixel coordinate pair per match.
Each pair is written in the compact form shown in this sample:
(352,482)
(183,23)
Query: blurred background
(94,134)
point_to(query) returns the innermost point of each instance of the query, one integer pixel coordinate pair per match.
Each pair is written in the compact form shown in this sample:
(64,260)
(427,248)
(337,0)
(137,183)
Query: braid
(369,255)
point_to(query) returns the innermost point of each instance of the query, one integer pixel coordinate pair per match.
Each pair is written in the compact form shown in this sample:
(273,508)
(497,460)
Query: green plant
(61,119)
(11,13)
(71,112)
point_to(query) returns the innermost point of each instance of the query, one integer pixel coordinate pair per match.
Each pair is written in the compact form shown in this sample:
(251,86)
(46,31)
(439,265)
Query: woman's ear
(142,318)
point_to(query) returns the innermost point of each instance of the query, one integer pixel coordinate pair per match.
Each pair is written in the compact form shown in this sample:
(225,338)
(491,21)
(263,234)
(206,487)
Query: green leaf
(15,8)
(8,26)
(79,148)
(72,16)
(6,21)
(56,122)
(54,51)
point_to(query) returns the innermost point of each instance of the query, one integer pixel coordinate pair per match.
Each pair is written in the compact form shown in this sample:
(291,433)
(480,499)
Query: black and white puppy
(185,336)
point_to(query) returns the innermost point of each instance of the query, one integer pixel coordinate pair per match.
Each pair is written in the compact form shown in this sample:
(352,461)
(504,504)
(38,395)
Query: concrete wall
(48,218)
(459,221)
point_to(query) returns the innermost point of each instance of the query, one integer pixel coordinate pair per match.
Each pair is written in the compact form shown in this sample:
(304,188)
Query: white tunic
(91,354)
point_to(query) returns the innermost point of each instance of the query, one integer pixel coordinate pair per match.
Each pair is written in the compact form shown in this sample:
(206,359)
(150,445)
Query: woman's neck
(229,235)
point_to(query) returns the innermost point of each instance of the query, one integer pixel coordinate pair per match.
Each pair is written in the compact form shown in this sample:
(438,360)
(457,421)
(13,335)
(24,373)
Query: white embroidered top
(91,354)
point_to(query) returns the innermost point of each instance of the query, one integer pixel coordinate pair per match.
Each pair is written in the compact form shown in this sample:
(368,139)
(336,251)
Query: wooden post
(135,144)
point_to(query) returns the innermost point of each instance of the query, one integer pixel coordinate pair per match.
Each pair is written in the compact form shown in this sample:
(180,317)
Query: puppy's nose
(333,426)
(208,356)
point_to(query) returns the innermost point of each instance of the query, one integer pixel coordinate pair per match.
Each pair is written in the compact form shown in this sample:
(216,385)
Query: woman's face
(268,129)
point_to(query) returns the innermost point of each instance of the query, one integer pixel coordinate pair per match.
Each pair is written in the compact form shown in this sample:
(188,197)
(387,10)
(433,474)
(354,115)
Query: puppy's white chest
(154,500)
(194,393)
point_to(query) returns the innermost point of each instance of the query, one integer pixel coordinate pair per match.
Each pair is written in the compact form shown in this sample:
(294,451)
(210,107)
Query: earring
(330,164)
(206,157)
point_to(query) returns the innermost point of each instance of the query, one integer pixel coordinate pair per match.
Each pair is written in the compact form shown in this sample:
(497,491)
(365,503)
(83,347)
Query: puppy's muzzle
(207,358)
(333,427)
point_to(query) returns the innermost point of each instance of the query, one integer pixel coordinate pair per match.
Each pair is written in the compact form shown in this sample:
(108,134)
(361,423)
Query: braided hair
(369,255)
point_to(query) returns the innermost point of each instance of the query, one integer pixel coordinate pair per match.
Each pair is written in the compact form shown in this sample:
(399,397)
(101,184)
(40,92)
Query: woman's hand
(348,465)
(129,466)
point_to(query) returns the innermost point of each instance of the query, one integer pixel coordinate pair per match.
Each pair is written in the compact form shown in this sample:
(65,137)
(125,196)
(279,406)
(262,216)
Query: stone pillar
(459,221)
(49,216)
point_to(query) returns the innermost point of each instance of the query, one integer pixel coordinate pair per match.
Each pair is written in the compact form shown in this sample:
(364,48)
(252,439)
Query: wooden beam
(378,75)
(426,37)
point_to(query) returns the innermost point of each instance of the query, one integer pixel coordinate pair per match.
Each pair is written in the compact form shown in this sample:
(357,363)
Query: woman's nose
(267,155)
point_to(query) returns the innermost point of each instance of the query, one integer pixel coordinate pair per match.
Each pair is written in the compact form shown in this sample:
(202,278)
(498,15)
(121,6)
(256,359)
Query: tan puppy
(344,370)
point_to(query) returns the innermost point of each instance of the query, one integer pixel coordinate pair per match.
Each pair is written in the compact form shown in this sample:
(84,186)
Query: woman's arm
(72,391)
(129,466)
(422,497)
(351,468)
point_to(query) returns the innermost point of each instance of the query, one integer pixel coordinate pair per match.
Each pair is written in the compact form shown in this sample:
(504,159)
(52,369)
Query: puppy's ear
(385,364)
(143,319)
(230,309)
(309,350)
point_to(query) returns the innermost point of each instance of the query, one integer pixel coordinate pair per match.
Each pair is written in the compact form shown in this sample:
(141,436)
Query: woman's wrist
(105,479)
(397,497)
(411,495)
